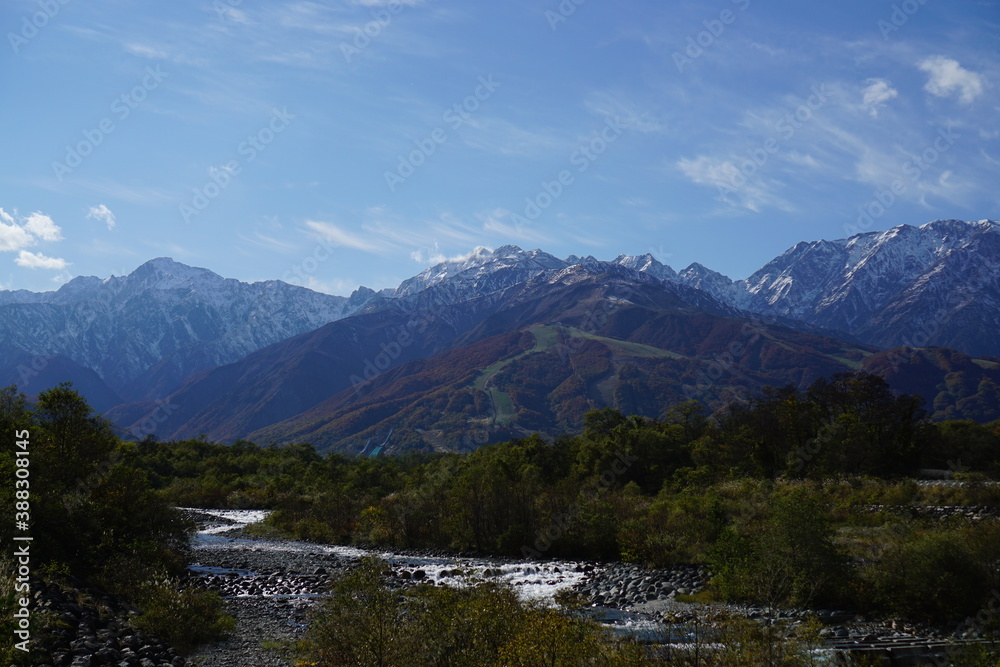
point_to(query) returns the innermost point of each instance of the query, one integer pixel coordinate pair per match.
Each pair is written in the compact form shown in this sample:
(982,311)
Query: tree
(89,505)
(866,429)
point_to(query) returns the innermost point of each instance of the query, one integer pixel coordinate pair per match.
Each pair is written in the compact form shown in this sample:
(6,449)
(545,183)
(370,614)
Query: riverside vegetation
(96,524)
(794,498)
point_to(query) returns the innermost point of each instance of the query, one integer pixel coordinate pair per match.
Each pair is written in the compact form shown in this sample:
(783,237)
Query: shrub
(786,558)
(938,575)
(364,622)
(183,618)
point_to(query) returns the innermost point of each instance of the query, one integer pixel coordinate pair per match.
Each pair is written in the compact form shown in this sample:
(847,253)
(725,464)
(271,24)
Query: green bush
(183,618)
(364,622)
(937,575)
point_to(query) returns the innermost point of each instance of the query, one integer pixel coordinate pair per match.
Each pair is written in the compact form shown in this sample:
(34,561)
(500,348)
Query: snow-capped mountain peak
(885,286)
(165,273)
(647,264)
(479,270)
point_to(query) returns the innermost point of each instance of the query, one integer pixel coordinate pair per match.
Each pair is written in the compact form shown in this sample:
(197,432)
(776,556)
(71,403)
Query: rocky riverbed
(271,585)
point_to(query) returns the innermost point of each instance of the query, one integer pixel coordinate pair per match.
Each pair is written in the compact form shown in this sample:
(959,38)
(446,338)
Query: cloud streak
(333,234)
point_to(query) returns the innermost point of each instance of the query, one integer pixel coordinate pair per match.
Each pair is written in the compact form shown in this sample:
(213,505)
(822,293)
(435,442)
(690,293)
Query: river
(271,585)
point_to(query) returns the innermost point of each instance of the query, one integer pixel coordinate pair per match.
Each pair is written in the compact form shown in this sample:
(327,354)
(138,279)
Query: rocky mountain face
(937,284)
(144,333)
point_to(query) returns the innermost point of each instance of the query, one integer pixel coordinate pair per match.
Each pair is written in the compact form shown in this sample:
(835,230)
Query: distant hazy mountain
(145,332)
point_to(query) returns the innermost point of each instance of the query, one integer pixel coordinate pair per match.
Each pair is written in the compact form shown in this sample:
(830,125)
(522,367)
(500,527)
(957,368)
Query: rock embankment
(622,586)
(90,628)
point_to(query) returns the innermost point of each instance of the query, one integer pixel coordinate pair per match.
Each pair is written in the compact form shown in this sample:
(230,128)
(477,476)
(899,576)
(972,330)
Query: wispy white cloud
(333,234)
(384,3)
(398,231)
(501,136)
(148,196)
(875,94)
(310,17)
(146,51)
(229,13)
(732,185)
(102,213)
(499,221)
(947,77)
(618,106)
(31,260)
(270,243)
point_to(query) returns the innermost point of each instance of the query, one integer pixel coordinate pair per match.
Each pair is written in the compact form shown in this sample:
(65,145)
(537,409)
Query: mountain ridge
(169,331)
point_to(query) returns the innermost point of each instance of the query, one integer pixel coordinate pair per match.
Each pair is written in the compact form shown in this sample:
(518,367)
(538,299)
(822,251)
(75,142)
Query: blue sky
(337,144)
